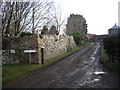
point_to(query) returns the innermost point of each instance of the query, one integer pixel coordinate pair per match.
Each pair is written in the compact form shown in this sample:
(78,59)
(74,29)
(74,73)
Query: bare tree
(14,15)
(33,12)
(42,13)
(58,18)
(28,16)
(7,13)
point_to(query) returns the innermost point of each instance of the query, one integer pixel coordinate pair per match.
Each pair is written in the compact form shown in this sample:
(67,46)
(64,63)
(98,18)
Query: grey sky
(100,14)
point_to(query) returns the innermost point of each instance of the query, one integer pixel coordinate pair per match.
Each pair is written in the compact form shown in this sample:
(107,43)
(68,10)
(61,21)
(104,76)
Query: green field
(13,71)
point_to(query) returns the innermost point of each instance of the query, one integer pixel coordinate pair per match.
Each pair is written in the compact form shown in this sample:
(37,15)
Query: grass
(113,67)
(104,56)
(13,71)
(0,74)
(109,65)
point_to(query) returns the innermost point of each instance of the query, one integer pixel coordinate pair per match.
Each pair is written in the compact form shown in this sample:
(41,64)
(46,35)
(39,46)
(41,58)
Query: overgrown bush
(26,34)
(78,38)
(106,62)
(45,30)
(112,45)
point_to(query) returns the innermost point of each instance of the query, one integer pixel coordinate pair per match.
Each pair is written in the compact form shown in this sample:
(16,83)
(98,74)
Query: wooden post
(42,54)
(30,58)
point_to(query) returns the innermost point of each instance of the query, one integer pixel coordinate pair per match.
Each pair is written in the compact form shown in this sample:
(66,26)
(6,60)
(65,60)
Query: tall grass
(104,56)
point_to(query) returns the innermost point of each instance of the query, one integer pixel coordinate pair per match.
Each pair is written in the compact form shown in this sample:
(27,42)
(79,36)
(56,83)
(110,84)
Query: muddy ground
(80,70)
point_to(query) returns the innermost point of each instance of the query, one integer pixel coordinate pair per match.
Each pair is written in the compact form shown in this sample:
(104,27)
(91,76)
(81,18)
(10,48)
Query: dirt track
(80,70)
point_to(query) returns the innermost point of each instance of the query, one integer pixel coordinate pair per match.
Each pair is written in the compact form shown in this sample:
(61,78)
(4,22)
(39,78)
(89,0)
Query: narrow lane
(80,70)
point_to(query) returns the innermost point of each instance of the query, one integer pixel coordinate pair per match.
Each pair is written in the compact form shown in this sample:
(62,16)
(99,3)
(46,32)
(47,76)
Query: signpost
(29,51)
(30,57)
(33,51)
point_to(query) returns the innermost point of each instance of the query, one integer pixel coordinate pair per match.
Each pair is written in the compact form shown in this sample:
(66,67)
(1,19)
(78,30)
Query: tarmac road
(80,70)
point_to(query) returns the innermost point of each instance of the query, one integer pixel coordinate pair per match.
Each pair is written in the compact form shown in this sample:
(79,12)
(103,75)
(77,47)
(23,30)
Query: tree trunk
(33,29)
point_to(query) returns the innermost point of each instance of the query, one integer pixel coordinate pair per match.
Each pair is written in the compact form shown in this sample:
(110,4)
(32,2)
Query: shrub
(26,34)
(112,45)
(45,30)
(77,37)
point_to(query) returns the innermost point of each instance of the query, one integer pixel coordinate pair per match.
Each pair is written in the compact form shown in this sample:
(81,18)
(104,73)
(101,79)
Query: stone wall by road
(53,45)
(14,52)
(57,44)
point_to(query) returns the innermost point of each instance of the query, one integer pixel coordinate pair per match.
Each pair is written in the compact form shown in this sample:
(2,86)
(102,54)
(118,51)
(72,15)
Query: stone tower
(76,23)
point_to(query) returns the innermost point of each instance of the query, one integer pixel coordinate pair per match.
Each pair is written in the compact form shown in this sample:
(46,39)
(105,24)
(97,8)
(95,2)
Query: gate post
(30,58)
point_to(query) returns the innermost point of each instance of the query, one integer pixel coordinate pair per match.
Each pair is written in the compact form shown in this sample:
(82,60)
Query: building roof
(115,27)
(90,35)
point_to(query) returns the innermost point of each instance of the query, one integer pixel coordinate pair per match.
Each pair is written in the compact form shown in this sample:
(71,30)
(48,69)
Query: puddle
(95,80)
(99,73)
(92,55)
(85,82)
(74,71)
(93,58)
(89,73)
(85,63)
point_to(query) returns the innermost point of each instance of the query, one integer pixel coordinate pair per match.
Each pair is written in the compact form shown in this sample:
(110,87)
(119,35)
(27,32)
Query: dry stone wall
(14,52)
(53,45)
(57,44)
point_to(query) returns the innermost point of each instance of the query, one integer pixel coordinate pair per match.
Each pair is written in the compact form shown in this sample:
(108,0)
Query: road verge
(13,71)
(107,64)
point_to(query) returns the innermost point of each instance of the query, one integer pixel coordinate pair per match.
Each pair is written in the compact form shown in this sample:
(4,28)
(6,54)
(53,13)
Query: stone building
(76,23)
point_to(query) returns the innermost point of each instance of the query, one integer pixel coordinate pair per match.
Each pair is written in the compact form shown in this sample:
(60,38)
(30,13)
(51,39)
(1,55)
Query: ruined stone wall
(53,45)
(14,52)
(57,44)
(76,23)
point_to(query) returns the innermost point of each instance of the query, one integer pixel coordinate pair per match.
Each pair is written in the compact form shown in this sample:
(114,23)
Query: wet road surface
(80,70)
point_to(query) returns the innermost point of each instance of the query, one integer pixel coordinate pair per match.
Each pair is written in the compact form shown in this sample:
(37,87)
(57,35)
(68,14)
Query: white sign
(29,51)
(12,51)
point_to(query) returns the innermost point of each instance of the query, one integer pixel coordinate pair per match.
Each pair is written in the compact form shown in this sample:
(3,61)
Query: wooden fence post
(30,58)
(42,54)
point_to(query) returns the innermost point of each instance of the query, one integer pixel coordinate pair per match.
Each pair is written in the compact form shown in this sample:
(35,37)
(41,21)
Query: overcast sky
(99,14)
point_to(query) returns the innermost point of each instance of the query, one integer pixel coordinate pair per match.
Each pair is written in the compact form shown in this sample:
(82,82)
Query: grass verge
(13,71)
(109,65)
